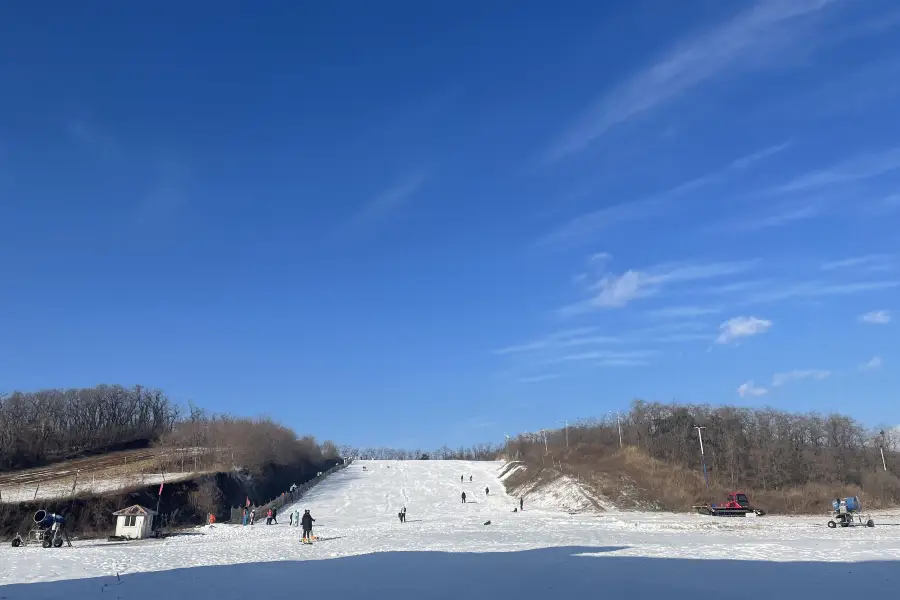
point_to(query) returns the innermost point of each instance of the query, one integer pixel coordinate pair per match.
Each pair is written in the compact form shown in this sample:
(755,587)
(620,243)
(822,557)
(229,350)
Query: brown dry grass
(631,479)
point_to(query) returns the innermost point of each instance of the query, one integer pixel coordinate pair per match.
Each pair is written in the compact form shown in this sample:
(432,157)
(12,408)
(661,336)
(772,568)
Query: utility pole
(619,425)
(883,463)
(702,455)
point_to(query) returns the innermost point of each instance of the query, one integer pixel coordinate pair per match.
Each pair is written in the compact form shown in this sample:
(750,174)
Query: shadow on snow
(564,572)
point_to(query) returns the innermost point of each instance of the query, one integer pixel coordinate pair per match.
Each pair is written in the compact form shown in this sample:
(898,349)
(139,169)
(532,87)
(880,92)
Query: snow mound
(552,491)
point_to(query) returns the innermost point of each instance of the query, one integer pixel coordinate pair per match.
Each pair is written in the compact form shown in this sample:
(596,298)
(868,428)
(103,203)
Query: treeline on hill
(788,462)
(476,452)
(39,428)
(249,442)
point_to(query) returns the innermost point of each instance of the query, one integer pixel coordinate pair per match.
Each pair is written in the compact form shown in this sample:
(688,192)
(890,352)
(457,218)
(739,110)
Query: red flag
(161,487)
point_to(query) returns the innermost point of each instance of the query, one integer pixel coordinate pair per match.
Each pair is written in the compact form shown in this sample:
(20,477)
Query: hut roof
(134,511)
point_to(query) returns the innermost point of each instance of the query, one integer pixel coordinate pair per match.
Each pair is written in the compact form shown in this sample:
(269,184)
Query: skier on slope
(470,478)
(307,522)
(487,492)
(296,516)
(460,478)
(464,497)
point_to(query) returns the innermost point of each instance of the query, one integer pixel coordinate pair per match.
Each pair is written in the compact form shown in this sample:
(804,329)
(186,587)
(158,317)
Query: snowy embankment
(551,490)
(445,550)
(64,488)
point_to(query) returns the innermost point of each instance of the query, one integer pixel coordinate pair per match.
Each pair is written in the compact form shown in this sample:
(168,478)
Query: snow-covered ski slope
(446,551)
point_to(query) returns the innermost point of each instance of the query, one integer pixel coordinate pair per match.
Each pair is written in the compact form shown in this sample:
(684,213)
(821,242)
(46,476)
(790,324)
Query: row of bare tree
(764,449)
(476,452)
(39,427)
(252,442)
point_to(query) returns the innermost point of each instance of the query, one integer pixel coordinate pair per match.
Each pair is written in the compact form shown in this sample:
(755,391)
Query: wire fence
(103,474)
(286,498)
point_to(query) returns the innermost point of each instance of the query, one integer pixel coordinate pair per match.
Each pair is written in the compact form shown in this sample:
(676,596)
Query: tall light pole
(883,463)
(507,445)
(619,425)
(702,455)
(566,423)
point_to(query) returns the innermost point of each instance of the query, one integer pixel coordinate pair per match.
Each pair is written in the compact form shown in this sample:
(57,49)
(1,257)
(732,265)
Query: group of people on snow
(306,520)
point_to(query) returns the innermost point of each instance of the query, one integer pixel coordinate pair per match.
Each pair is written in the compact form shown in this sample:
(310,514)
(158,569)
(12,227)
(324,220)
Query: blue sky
(422,223)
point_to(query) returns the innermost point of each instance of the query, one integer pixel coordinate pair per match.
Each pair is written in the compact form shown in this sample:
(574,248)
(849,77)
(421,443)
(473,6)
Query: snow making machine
(47,529)
(848,513)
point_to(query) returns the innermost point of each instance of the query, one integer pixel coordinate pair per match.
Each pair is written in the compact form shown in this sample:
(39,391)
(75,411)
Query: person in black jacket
(306,521)
(464,497)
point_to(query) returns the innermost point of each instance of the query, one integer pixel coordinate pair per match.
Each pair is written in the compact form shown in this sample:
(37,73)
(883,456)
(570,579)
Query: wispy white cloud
(876,317)
(777,219)
(558,339)
(585,227)
(872,364)
(585,337)
(616,291)
(857,169)
(741,327)
(869,263)
(678,312)
(779,379)
(622,362)
(607,355)
(759,35)
(390,199)
(749,389)
(539,378)
(816,289)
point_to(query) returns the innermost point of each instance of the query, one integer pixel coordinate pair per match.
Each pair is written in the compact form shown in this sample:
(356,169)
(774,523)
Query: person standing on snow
(487,492)
(470,479)
(297,518)
(274,516)
(460,478)
(521,502)
(464,497)
(307,522)
(403,515)
(291,523)
(252,516)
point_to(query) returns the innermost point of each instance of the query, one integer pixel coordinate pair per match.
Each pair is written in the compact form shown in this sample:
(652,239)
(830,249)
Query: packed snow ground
(446,551)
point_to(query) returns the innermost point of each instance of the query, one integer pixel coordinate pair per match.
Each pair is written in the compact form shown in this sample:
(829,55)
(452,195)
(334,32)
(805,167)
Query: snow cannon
(46,520)
(852,503)
(846,513)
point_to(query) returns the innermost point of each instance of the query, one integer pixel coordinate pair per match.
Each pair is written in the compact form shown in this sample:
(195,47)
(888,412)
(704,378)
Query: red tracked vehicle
(736,505)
